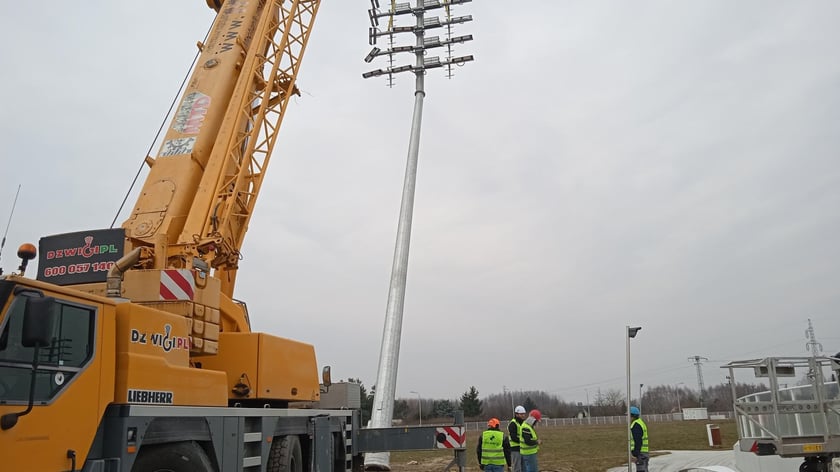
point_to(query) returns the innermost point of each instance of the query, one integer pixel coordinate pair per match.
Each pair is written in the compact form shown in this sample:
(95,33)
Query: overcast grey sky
(672,165)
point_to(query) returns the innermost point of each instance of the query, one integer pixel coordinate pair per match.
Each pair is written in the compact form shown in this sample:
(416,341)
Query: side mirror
(38,322)
(326,377)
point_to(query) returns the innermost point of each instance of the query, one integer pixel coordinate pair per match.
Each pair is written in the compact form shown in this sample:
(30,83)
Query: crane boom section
(234,176)
(201,190)
(172,183)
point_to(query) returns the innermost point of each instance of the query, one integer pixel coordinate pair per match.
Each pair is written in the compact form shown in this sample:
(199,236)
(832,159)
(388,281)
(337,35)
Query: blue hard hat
(635,411)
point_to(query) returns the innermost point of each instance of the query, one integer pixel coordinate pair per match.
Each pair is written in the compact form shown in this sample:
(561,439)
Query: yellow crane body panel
(153,361)
(265,367)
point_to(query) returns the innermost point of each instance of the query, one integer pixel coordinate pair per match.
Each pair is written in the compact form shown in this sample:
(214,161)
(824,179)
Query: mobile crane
(129,351)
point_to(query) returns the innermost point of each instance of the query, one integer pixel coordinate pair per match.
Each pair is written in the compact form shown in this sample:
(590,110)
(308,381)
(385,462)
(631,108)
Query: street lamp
(631,333)
(588,412)
(640,397)
(419,406)
(679,408)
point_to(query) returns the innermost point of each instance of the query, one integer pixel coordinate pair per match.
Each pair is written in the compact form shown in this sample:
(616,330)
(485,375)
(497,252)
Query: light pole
(588,412)
(679,408)
(419,406)
(386,378)
(640,397)
(631,333)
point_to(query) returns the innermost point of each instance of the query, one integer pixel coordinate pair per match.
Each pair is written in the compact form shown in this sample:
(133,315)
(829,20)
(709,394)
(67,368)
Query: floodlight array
(422,44)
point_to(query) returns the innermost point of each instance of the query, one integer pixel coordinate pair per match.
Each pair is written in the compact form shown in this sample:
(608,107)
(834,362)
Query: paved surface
(678,461)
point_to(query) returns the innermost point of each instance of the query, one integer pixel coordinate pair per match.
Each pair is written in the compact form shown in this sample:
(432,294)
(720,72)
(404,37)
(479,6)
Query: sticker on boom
(154,397)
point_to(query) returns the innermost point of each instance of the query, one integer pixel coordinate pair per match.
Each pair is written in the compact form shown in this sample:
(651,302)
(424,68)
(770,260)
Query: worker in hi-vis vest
(514,433)
(638,429)
(493,448)
(529,443)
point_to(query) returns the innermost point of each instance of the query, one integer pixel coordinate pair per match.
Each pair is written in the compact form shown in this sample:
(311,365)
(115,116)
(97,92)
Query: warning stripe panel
(454,437)
(177,284)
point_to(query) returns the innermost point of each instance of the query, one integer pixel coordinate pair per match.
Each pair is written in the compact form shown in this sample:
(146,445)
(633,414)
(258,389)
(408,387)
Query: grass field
(581,448)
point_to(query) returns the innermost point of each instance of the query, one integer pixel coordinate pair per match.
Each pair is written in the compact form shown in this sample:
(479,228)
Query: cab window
(70,349)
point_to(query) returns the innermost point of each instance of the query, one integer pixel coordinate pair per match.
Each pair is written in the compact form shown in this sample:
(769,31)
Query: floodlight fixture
(431,62)
(461,60)
(374,4)
(433,22)
(432,42)
(401,8)
(459,19)
(372,54)
(374,18)
(373,73)
(459,39)
(433,4)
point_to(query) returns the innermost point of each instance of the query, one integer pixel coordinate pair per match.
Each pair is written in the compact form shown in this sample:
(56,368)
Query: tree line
(609,402)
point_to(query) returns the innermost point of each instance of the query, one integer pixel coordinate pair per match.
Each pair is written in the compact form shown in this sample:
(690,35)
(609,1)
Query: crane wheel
(285,455)
(186,456)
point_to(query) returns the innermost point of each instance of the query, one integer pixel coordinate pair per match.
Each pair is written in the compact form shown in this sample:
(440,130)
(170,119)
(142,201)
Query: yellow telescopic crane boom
(198,198)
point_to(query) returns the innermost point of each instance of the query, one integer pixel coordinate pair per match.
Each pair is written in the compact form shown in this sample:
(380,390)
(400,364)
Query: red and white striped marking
(454,437)
(177,284)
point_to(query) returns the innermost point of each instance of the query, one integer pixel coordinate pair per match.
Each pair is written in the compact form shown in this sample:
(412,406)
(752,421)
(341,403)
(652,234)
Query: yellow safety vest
(644,447)
(492,452)
(518,433)
(525,449)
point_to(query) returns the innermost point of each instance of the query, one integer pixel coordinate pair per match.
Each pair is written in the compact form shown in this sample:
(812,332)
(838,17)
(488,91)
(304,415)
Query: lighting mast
(386,378)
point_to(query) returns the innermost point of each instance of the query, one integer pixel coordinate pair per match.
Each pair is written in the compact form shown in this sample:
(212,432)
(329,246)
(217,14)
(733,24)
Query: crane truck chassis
(129,353)
(67,423)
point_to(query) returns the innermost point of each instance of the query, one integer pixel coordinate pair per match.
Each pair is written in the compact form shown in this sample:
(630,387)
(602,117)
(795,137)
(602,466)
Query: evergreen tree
(471,404)
(529,404)
(401,409)
(366,399)
(442,409)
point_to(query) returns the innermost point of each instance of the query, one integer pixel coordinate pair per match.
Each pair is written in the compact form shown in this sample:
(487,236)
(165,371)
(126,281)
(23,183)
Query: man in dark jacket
(515,433)
(493,448)
(638,428)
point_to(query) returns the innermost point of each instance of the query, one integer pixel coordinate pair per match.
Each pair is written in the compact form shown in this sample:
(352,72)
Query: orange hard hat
(493,422)
(536,414)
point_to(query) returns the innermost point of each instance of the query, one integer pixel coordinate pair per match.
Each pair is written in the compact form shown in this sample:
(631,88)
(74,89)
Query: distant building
(695,414)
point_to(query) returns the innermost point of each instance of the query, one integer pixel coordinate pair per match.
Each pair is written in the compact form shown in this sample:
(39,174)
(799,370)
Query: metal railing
(604,420)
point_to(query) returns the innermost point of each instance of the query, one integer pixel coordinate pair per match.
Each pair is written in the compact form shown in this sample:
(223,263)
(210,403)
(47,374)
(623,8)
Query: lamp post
(588,412)
(419,406)
(631,333)
(386,378)
(679,408)
(640,396)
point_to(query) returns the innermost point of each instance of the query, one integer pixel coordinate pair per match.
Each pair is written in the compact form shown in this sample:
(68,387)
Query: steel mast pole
(386,377)
(629,434)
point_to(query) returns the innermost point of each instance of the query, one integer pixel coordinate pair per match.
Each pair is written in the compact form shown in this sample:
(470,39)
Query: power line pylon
(698,362)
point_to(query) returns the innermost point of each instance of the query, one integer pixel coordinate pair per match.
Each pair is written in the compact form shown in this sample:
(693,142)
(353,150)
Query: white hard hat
(519,409)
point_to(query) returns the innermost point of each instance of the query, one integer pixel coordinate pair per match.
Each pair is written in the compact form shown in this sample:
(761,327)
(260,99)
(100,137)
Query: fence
(596,420)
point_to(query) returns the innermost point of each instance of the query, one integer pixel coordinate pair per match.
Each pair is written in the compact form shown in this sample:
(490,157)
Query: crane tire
(285,455)
(184,456)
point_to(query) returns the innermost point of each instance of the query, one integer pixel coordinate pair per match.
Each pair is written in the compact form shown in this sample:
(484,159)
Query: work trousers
(642,462)
(494,468)
(529,463)
(515,461)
